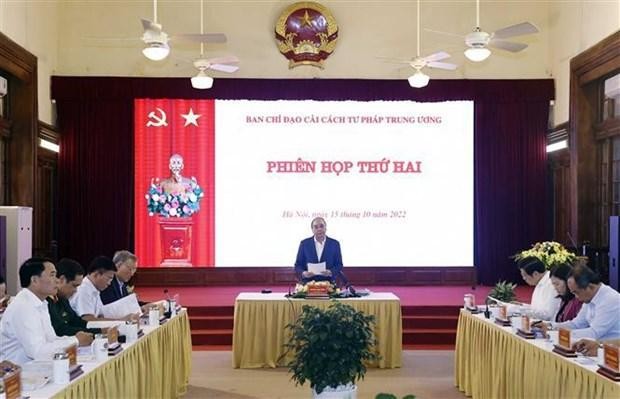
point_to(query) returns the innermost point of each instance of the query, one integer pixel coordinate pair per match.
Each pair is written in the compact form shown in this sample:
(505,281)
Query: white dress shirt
(26,331)
(86,299)
(599,319)
(545,301)
(319,246)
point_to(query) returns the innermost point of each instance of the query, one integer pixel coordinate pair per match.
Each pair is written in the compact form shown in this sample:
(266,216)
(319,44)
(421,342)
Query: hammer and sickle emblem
(155,120)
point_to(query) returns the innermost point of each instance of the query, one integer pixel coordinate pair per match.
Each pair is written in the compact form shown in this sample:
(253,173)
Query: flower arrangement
(179,203)
(301,290)
(550,253)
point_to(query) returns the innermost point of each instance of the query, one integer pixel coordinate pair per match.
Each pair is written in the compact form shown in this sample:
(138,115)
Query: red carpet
(430,314)
(409,295)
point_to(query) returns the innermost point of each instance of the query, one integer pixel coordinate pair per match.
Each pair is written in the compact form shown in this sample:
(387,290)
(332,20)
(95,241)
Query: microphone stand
(168,313)
(487,313)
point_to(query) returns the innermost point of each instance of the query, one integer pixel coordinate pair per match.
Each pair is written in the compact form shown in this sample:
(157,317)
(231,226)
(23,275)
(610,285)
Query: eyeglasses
(318,226)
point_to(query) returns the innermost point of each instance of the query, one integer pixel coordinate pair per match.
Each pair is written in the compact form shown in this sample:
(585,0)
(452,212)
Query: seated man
(316,249)
(545,302)
(599,317)
(126,266)
(86,302)
(64,319)
(26,332)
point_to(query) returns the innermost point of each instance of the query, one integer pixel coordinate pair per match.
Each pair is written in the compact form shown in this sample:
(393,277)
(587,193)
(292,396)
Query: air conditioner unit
(18,242)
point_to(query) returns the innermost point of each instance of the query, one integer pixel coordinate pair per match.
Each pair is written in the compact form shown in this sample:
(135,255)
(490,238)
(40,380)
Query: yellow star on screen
(191,118)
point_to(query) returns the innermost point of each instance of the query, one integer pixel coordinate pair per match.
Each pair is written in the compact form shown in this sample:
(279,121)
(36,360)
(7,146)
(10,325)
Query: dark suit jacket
(64,319)
(331,256)
(113,292)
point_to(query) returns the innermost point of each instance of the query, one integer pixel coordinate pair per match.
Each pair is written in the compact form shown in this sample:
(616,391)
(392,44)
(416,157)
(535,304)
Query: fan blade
(438,56)
(150,25)
(442,65)
(224,67)
(444,33)
(508,46)
(201,37)
(524,28)
(229,59)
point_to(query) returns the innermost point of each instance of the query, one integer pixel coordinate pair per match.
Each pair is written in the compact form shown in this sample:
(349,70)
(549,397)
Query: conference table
(157,365)
(493,362)
(260,333)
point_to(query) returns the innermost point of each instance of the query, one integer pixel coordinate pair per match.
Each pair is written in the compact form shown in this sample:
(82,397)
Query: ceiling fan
(202,64)
(156,39)
(478,41)
(419,79)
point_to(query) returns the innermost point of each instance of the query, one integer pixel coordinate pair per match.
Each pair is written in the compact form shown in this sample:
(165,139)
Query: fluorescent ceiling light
(156,51)
(557,146)
(418,80)
(48,145)
(477,54)
(202,81)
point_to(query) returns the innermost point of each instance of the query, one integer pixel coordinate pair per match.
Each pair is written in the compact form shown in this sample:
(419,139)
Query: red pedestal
(176,241)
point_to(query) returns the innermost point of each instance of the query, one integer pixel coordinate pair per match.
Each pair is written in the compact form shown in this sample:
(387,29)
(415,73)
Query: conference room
(438,180)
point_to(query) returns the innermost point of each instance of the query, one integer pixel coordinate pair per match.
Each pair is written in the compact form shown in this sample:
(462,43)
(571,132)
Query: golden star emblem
(306,20)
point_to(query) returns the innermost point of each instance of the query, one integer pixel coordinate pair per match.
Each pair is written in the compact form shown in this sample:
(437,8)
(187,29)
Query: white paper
(121,308)
(102,323)
(316,268)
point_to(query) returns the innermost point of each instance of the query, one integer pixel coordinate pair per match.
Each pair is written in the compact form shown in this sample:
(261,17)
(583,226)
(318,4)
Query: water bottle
(100,347)
(131,332)
(61,368)
(173,308)
(154,316)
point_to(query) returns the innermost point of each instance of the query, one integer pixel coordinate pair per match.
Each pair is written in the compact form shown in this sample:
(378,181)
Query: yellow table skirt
(493,363)
(157,366)
(259,332)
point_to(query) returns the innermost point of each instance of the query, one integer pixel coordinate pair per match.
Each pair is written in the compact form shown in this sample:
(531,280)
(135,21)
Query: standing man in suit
(316,249)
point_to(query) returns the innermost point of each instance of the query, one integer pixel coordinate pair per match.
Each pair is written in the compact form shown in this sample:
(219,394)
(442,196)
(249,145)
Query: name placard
(612,357)
(564,338)
(525,324)
(71,351)
(112,336)
(11,377)
(503,312)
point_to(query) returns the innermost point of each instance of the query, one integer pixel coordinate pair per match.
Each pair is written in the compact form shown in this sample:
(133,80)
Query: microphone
(343,278)
(487,313)
(290,294)
(168,312)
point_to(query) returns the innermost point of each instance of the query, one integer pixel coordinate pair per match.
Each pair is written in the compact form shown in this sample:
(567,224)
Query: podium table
(259,332)
(493,362)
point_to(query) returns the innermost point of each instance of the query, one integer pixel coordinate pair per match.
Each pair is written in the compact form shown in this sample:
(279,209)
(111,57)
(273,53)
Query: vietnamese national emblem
(306,33)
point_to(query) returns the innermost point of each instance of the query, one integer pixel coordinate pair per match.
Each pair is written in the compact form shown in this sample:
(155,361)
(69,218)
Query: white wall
(368,29)
(69,37)
(34,26)
(576,26)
